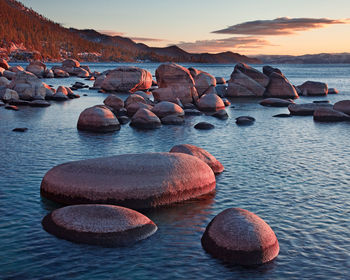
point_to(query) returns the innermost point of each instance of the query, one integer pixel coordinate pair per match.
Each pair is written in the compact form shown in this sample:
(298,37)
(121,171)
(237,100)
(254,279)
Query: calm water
(294,173)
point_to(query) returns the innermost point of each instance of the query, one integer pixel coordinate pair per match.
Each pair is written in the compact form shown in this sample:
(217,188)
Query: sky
(249,27)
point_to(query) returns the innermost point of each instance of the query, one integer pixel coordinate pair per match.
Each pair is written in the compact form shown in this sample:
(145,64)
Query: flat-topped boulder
(312,88)
(330,115)
(103,225)
(210,102)
(165,108)
(127,79)
(342,106)
(98,119)
(276,102)
(280,87)
(145,119)
(240,237)
(131,180)
(252,73)
(241,85)
(200,153)
(306,109)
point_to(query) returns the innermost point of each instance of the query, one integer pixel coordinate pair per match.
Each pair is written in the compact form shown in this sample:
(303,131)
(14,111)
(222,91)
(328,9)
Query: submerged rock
(200,153)
(312,88)
(276,102)
(330,115)
(221,114)
(103,225)
(306,109)
(240,237)
(20,129)
(282,116)
(132,180)
(342,106)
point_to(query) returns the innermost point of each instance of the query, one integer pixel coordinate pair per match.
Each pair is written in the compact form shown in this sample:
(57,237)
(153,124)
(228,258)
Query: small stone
(245,120)
(282,116)
(221,114)
(204,126)
(20,129)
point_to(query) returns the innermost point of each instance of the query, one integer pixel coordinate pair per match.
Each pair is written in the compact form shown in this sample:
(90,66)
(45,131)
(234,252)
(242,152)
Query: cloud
(279,26)
(220,45)
(145,39)
(111,32)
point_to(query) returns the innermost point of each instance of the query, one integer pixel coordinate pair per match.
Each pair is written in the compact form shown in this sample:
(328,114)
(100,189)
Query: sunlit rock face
(210,102)
(252,73)
(127,79)
(280,87)
(312,88)
(241,85)
(133,180)
(115,102)
(103,225)
(174,81)
(342,106)
(98,119)
(240,237)
(200,153)
(4,64)
(165,108)
(330,115)
(202,80)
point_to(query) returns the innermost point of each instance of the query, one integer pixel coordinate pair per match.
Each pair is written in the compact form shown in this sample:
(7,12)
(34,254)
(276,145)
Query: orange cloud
(220,45)
(279,26)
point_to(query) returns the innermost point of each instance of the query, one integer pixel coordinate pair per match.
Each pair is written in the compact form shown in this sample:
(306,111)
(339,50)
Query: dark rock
(189,106)
(39,103)
(333,91)
(220,80)
(20,129)
(221,114)
(226,102)
(204,126)
(342,106)
(145,119)
(19,102)
(306,109)
(320,101)
(11,107)
(282,116)
(245,120)
(312,88)
(123,120)
(330,115)
(276,102)
(172,120)
(192,112)
(268,70)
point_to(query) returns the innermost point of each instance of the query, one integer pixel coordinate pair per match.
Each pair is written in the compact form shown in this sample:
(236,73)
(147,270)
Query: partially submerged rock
(342,106)
(306,109)
(240,237)
(312,88)
(200,153)
(103,225)
(210,102)
(276,102)
(280,87)
(132,180)
(166,108)
(245,120)
(145,119)
(115,102)
(204,126)
(330,115)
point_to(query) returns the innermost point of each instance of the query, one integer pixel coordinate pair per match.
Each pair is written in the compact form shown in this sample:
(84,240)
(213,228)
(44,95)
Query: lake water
(294,173)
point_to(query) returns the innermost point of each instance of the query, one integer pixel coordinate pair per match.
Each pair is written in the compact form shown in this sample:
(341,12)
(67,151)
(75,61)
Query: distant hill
(322,58)
(27,35)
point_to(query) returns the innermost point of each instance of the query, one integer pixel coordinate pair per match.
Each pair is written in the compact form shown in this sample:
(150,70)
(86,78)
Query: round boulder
(115,102)
(200,153)
(342,106)
(245,120)
(98,119)
(104,225)
(166,108)
(145,119)
(210,102)
(132,180)
(240,237)
(204,126)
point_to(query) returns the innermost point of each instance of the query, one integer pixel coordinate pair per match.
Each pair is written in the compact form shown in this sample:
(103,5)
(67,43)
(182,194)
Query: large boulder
(200,153)
(4,81)
(174,81)
(59,73)
(37,68)
(9,75)
(145,119)
(98,119)
(134,98)
(165,108)
(99,81)
(115,102)
(127,79)
(8,95)
(342,106)
(241,85)
(306,109)
(134,107)
(252,73)
(280,87)
(240,237)
(103,225)
(70,63)
(268,70)
(203,81)
(312,88)
(4,64)
(133,180)
(330,115)
(210,102)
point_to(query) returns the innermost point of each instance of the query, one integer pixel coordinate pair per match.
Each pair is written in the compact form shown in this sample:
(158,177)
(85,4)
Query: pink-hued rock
(133,180)
(333,91)
(17,68)
(59,73)
(134,107)
(115,102)
(127,79)
(200,153)
(61,94)
(210,102)
(80,72)
(174,81)
(240,237)
(145,119)
(312,88)
(254,74)
(342,106)
(184,93)
(165,108)
(241,85)
(98,119)
(104,225)
(70,63)
(4,64)
(280,87)
(37,68)
(220,80)
(203,81)
(330,115)
(99,81)
(134,98)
